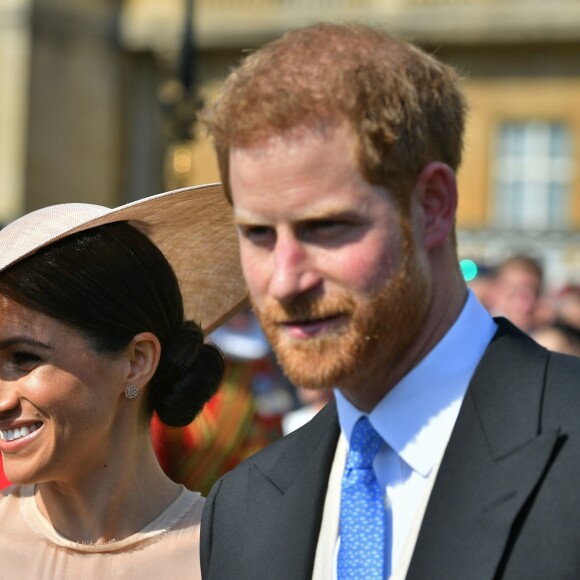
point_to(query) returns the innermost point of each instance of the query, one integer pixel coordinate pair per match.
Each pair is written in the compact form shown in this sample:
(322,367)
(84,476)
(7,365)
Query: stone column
(91,109)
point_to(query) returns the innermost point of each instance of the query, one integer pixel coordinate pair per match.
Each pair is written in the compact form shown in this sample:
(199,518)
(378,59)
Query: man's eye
(325,228)
(327,224)
(257,234)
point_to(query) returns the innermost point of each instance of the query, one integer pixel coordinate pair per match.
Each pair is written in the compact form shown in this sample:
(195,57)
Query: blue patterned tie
(362,510)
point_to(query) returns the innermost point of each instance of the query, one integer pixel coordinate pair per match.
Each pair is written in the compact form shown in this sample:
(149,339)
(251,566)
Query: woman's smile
(54,389)
(19,432)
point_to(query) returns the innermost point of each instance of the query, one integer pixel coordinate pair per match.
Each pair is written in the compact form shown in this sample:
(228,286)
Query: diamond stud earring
(131,391)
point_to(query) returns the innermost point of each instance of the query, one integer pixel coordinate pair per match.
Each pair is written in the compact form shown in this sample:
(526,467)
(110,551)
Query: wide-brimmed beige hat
(191,226)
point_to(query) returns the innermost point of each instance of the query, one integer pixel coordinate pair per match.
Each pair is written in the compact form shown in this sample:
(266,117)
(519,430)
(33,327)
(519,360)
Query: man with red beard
(338,148)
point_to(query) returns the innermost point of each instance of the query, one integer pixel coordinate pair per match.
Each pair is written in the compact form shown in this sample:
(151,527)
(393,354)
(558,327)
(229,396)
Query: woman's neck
(112,503)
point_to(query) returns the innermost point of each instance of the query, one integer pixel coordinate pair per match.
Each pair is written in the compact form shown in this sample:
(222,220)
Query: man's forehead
(293,137)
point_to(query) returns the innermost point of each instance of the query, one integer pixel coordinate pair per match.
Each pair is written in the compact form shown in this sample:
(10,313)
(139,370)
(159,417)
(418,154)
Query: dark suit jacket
(505,504)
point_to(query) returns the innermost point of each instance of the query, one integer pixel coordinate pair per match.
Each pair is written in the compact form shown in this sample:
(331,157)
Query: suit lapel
(495,458)
(287,500)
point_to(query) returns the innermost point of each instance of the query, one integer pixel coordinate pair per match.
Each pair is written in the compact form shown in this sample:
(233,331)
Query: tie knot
(364,444)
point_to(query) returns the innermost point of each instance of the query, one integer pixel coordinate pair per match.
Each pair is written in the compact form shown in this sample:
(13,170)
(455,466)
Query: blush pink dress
(31,548)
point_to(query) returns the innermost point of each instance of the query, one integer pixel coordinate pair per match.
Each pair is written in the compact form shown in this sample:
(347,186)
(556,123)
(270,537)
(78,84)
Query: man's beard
(369,336)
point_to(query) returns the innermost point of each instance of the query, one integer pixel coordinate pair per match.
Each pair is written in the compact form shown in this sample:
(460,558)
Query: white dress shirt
(416,417)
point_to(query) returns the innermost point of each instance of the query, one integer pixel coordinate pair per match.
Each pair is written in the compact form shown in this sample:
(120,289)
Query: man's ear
(436,195)
(143,353)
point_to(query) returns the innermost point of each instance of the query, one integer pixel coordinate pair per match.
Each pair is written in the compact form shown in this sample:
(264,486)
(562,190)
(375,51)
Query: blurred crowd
(516,289)
(255,405)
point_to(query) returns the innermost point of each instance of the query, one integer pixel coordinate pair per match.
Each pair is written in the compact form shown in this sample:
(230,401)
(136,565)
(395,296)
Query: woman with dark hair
(96,335)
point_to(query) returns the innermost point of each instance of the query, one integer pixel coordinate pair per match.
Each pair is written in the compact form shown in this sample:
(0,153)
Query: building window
(533,175)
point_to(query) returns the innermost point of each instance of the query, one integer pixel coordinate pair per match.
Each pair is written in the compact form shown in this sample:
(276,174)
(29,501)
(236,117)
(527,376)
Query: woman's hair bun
(189,373)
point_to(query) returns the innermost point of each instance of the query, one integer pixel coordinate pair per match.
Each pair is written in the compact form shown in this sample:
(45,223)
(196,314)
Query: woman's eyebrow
(12,341)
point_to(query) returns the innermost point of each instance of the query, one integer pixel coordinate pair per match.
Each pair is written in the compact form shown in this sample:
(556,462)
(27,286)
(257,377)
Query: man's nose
(293,269)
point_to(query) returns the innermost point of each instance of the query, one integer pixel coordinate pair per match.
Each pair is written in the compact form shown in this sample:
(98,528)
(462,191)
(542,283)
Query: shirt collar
(417,416)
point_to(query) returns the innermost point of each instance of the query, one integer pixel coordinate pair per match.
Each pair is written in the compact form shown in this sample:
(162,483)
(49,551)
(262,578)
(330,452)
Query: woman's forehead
(19,320)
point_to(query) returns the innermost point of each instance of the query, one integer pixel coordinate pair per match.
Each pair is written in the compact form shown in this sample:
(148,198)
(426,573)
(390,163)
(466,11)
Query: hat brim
(192,227)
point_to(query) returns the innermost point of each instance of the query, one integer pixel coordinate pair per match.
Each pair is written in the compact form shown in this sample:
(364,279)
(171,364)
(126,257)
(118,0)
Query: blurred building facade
(95,101)
(79,119)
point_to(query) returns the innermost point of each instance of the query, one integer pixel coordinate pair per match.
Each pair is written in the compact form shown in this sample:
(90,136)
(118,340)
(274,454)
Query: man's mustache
(306,309)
